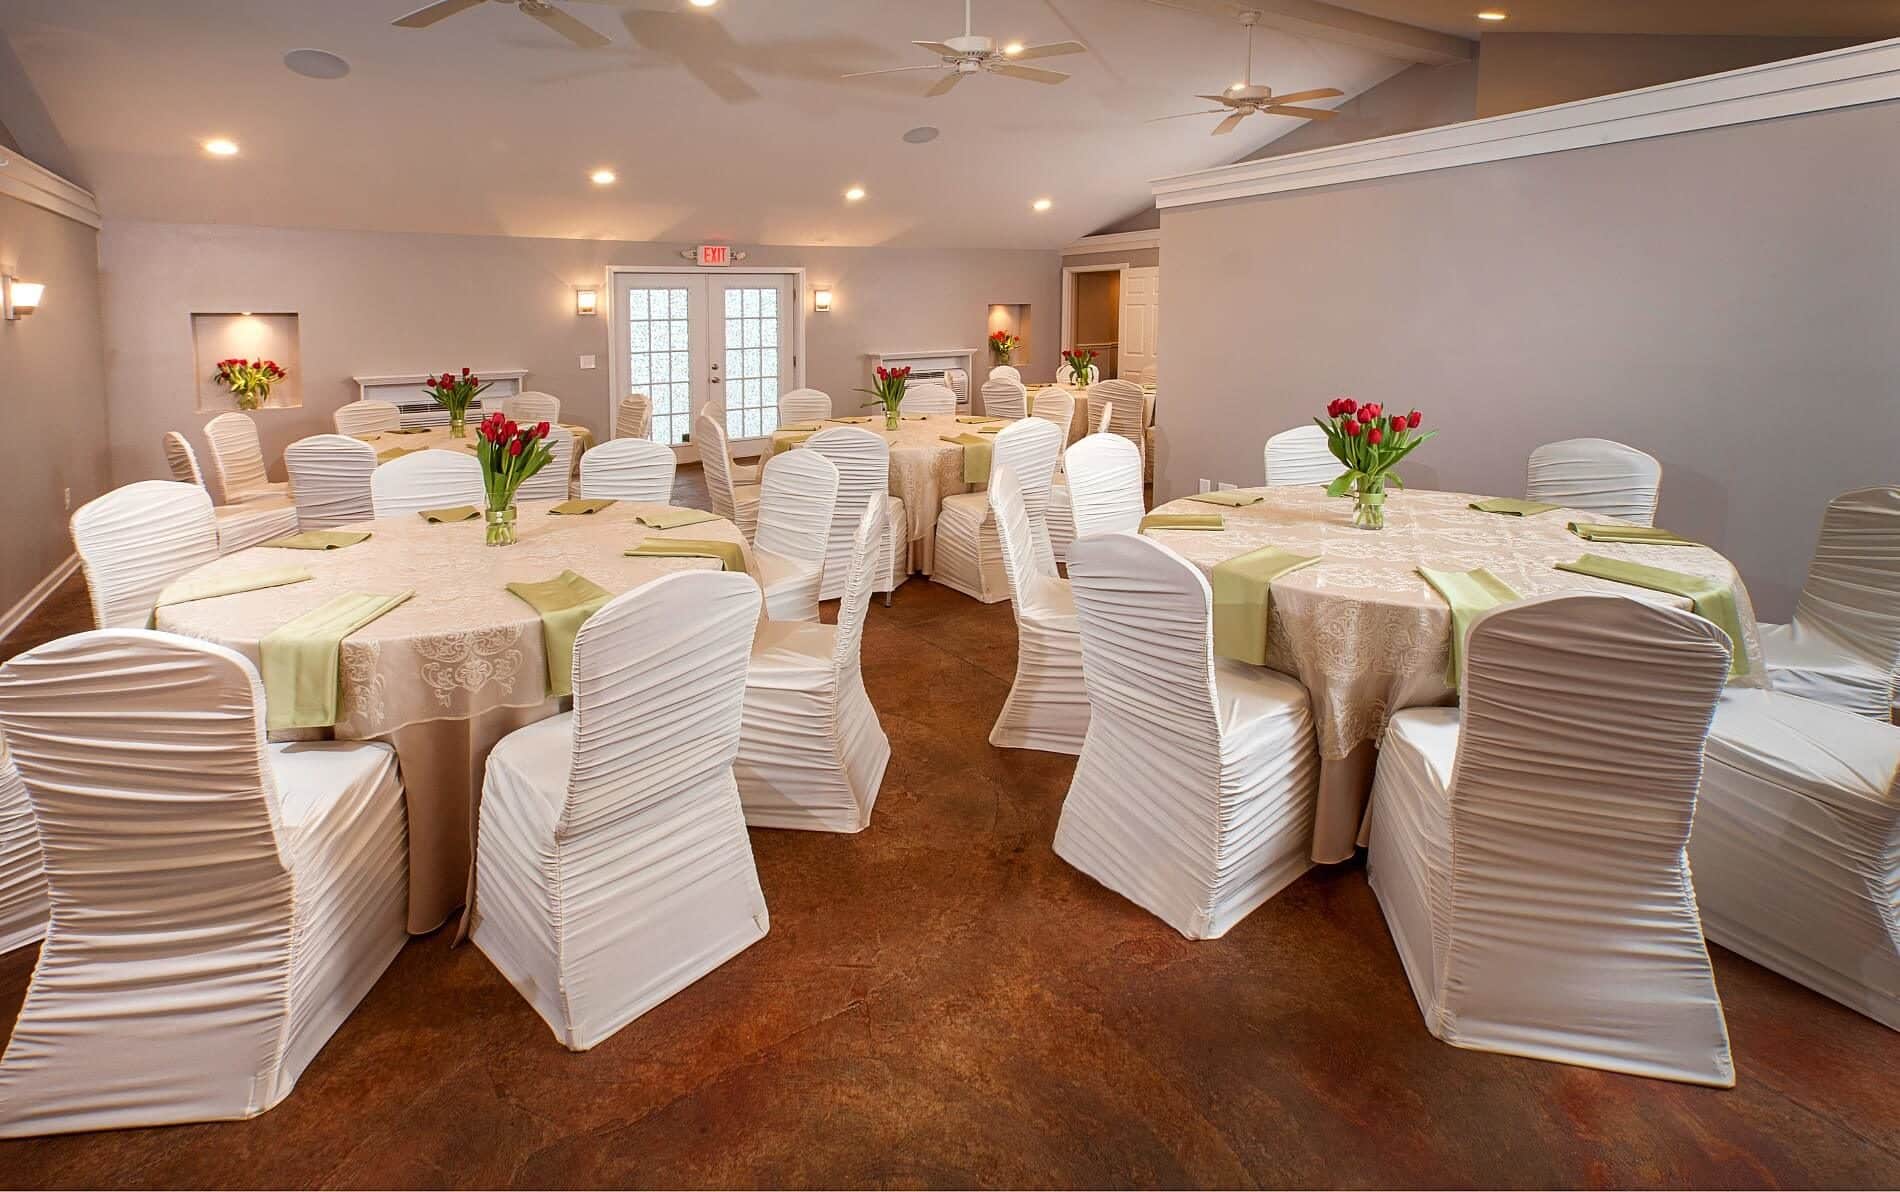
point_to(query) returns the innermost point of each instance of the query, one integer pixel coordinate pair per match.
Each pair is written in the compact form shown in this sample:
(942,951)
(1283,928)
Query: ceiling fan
(1246,98)
(967,55)
(569,27)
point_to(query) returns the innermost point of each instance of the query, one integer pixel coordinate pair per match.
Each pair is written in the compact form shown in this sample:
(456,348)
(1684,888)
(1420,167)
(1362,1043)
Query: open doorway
(1113,310)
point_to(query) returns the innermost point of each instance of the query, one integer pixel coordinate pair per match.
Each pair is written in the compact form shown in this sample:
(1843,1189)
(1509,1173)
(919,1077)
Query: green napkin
(367,438)
(786,440)
(409,430)
(564,602)
(977,451)
(1469,593)
(912,417)
(673,519)
(728,553)
(1182,521)
(1513,506)
(1029,402)
(1231,500)
(580,505)
(1628,535)
(990,430)
(976,419)
(383,457)
(319,540)
(1243,600)
(1710,598)
(185,590)
(853,420)
(454,513)
(300,659)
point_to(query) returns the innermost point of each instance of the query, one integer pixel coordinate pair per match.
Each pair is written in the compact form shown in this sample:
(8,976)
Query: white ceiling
(489,123)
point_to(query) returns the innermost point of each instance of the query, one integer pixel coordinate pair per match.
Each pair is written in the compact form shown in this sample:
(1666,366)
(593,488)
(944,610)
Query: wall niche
(254,336)
(1012,317)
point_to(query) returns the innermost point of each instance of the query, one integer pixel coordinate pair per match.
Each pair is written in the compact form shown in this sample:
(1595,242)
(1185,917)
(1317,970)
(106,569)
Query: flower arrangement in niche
(888,389)
(1003,345)
(509,454)
(1081,362)
(250,381)
(1370,443)
(454,394)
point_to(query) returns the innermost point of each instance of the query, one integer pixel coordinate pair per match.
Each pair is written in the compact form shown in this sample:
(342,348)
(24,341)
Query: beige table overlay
(437,438)
(446,675)
(1369,638)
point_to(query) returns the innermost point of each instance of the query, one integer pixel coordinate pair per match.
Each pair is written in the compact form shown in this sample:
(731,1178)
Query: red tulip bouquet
(509,454)
(1370,442)
(889,392)
(454,394)
(249,380)
(1003,345)
(1081,362)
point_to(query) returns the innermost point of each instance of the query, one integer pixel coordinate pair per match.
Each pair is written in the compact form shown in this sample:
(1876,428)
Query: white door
(1141,323)
(752,360)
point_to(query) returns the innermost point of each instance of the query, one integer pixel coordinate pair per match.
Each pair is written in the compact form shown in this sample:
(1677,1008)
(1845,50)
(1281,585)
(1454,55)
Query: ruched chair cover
(330,480)
(531,405)
(1301,456)
(551,483)
(928,399)
(804,405)
(612,867)
(969,554)
(247,523)
(1843,646)
(737,503)
(796,501)
(237,460)
(423,480)
(741,474)
(134,540)
(366,417)
(1047,708)
(1194,794)
(182,460)
(1099,416)
(633,418)
(1597,476)
(811,752)
(1123,404)
(1057,405)
(1527,847)
(1006,370)
(864,479)
(22,878)
(1104,483)
(1796,848)
(1004,398)
(219,905)
(629,469)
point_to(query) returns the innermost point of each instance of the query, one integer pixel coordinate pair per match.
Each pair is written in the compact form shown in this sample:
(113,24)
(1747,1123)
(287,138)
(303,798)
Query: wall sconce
(587,301)
(19,298)
(821,299)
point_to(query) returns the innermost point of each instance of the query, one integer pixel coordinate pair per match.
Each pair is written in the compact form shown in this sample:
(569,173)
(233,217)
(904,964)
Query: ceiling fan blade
(1297,96)
(1031,73)
(1184,116)
(428,15)
(1215,99)
(936,47)
(1226,126)
(942,87)
(1054,49)
(865,74)
(572,28)
(1304,113)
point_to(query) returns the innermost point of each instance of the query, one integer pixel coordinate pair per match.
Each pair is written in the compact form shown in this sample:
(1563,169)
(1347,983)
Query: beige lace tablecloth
(1368,637)
(437,438)
(453,670)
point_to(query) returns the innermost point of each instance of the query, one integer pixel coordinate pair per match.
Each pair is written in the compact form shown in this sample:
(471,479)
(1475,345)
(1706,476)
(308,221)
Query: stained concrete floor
(942,1001)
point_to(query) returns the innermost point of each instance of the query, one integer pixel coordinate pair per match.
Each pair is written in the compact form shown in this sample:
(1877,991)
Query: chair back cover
(798,494)
(855,602)
(804,405)
(531,405)
(1596,476)
(1104,484)
(22,877)
(1020,565)
(1123,402)
(182,460)
(366,417)
(928,399)
(1301,456)
(1853,588)
(1030,449)
(134,540)
(1004,398)
(629,469)
(550,483)
(426,480)
(1006,370)
(1056,405)
(715,459)
(633,418)
(236,458)
(864,480)
(330,480)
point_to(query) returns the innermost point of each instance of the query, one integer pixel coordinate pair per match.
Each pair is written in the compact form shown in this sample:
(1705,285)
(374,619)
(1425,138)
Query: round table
(1369,637)
(437,438)
(447,674)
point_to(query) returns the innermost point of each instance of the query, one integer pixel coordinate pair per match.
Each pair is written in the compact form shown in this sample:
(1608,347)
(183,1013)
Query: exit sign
(715,256)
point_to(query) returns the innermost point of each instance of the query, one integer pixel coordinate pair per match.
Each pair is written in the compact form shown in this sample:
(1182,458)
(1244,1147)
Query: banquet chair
(1104,486)
(551,483)
(1009,371)
(237,460)
(1301,456)
(330,480)
(1123,411)
(864,479)
(1047,708)
(1596,476)
(1057,405)
(219,904)
(1097,418)
(366,417)
(1004,398)
(1796,847)
(740,474)
(1843,646)
(22,877)
(531,405)
(737,503)
(633,418)
(134,540)
(1194,795)
(425,480)
(811,751)
(796,502)
(246,523)
(928,399)
(969,554)
(629,470)
(1527,847)
(612,868)
(804,405)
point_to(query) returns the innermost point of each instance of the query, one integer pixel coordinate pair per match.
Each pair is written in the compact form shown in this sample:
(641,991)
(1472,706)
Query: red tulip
(510,428)
(1348,406)
(1413,419)
(1398,423)
(1352,428)
(541,431)
(1371,409)
(516,447)
(1375,436)
(465,372)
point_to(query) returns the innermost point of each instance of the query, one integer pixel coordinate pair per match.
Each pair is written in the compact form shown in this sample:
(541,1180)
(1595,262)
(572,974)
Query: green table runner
(1713,599)
(564,602)
(581,505)
(976,456)
(1628,535)
(300,659)
(1469,593)
(320,540)
(1230,499)
(1243,600)
(454,513)
(853,420)
(786,440)
(1182,521)
(673,519)
(1513,506)
(729,554)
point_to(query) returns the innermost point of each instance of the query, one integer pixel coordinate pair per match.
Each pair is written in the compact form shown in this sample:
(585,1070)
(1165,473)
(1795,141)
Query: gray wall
(1728,300)
(1534,70)
(1417,97)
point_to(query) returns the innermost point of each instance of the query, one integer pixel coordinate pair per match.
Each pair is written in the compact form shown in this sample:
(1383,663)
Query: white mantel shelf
(1815,83)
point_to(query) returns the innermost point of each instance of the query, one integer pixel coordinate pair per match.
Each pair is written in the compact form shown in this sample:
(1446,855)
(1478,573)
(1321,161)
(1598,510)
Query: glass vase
(890,417)
(458,424)
(1368,503)
(501,527)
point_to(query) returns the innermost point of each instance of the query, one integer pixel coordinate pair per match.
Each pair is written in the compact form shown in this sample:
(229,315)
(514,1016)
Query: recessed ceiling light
(316,64)
(1237,86)
(923,134)
(1492,14)
(1042,204)
(1013,48)
(221,147)
(854,194)
(702,3)
(602,177)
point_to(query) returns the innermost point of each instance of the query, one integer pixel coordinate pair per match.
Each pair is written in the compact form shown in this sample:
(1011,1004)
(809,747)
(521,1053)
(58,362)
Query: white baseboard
(30,602)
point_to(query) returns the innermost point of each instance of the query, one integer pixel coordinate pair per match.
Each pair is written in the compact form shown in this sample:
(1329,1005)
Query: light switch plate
(587,362)
(1206,484)
(1227,488)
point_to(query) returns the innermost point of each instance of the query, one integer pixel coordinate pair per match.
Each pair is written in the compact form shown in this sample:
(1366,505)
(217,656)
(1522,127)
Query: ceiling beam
(1328,22)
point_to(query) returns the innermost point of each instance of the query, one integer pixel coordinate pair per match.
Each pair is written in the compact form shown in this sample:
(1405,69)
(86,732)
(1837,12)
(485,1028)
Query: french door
(693,338)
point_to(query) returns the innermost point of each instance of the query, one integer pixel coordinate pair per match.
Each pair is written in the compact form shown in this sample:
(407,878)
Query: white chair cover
(1843,646)
(531,405)
(1004,398)
(1527,848)
(426,480)
(257,519)
(796,502)
(1596,476)
(1099,416)
(219,905)
(804,405)
(928,399)
(1121,404)
(366,417)
(551,483)
(1057,406)
(633,419)
(134,540)
(1047,708)
(969,554)
(1796,848)
(864,479)
(22,878)
(182,460)
(1006,370)
(330,480)
(811,752)
(1104,474)
(737,503)
(629,469)
(1301,456)
(237,460)
(612,868)
(1194,794)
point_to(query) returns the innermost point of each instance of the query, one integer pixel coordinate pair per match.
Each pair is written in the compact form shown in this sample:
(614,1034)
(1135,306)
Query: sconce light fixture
(19,298)
(821,299)
(587,301)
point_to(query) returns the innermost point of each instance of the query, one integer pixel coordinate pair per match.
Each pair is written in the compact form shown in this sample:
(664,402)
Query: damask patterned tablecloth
(437,438)
(1369,637)
(449,673)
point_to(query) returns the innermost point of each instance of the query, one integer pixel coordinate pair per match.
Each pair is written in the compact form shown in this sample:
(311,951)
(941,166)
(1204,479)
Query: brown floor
(941,1001)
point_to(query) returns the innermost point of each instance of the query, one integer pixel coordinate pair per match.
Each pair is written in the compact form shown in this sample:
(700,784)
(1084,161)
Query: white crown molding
(1114,242)
(32,183)
(1835,79)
